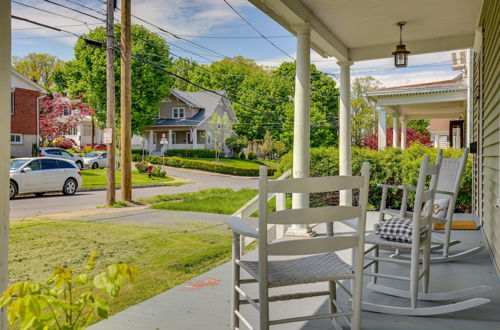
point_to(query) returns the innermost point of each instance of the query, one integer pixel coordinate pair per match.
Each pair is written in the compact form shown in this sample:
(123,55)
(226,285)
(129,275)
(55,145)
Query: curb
(118,188)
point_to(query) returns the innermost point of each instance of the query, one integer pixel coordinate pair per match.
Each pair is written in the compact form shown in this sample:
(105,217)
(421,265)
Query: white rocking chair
(318,261)
(418,244)
(448,187)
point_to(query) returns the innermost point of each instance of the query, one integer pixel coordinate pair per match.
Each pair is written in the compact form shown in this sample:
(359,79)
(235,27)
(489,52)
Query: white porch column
(5,31)
(150,141)
(403,133)
(395,130)
(301,134)
(345,162)
(195,138)
(170,141)
(382,129)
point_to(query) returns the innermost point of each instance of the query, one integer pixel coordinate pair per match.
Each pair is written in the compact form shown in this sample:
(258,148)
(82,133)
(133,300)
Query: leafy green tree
(420,125)
(363,115)
(38,67)
(150,86)
(236,144)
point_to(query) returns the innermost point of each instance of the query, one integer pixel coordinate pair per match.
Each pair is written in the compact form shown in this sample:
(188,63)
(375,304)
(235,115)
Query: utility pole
(126,102)
(110,102)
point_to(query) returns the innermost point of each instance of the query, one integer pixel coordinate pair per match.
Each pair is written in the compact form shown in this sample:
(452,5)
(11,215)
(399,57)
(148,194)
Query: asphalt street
(28,206)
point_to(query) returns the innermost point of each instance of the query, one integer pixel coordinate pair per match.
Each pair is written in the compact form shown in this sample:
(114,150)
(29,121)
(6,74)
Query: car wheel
(40,194)
(12,190)
(79,164)
(69,187)
(95,166)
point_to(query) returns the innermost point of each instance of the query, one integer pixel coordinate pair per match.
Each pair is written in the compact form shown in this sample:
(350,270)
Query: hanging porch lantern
(401,53)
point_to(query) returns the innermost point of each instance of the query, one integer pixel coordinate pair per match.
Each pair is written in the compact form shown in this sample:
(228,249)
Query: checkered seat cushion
(398,230)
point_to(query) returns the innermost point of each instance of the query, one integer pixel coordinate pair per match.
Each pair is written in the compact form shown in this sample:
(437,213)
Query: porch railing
(273,231)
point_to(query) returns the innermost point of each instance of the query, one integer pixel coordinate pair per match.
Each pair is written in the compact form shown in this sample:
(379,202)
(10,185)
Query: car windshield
(17,163)
(93,154)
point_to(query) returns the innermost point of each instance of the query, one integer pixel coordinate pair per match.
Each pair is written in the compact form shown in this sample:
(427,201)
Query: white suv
(61,153)
(43,174)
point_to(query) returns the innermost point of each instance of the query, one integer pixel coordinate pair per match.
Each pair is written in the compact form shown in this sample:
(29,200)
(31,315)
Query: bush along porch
(391,166)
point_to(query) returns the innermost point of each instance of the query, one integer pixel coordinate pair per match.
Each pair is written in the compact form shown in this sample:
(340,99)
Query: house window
(209,138)
(12,102)
(73,131)
(174,138)
(16,139)
(219,126)
(67,111)
(178,113)
(86,131)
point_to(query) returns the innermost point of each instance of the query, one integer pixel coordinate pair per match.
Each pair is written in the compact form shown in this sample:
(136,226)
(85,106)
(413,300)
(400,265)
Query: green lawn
(97,179)
(222,201)
(165,256)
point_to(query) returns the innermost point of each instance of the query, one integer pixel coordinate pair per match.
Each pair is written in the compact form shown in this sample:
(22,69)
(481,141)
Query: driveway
(28,206)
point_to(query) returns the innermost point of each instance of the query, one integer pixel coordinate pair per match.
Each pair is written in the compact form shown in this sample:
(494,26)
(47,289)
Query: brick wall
(23,121)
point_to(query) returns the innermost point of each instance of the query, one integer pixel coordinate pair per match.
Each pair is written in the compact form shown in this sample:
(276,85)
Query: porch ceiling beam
(433,115)
(419,99)
(289,13)
(416,47)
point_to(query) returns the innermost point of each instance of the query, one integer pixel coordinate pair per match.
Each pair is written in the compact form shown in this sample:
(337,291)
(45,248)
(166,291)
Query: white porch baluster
(382,129)
(403,133)
(345,162)
(301,134)
(395,131)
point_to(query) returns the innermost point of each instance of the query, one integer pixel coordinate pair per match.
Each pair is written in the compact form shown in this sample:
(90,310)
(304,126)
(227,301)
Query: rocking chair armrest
(445,192)
(241,228)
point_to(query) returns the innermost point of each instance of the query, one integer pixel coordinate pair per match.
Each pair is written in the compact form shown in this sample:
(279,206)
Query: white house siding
(23,149)
(487,115)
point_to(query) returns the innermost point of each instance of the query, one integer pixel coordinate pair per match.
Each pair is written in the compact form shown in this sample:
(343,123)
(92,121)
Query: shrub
(252,156)
(136,157)
(207,166)
(391,166)
(159,172)
(65,143)
(142,166)
(191,153)
(59,302)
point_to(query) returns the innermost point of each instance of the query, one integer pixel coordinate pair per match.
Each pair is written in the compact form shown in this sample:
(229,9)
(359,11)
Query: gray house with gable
(191,120)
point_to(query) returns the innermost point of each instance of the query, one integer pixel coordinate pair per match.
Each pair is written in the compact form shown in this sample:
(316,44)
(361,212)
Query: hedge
(203,165)
(188,153)
(391,166)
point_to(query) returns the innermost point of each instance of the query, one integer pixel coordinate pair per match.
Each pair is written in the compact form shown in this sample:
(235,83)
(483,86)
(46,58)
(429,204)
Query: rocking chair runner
(318,261)
(448,186)
(420,241)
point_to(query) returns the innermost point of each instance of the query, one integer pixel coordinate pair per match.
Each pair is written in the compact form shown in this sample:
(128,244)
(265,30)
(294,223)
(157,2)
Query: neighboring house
(191,120)
(25,95)
(446,133)
(435,101)
(82,134)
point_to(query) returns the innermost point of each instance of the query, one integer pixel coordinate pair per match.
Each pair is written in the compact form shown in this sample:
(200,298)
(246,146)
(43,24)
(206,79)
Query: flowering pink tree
(412,136)
(59,114)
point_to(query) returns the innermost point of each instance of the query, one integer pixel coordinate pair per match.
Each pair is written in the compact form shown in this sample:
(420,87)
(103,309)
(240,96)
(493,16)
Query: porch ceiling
(451,109)
(360,30)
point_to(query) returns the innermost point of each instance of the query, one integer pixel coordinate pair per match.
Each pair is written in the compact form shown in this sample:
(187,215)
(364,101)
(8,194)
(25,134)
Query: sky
(200,21)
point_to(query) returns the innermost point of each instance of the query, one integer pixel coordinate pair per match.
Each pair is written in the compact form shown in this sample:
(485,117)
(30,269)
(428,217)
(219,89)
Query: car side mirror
(27,169)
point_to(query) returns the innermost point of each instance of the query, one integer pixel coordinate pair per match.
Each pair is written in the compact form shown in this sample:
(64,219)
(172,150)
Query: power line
(258,32)
(59,26)
(49,12)
(75,10)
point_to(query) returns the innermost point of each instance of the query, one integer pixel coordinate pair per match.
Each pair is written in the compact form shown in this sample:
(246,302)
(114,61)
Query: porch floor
(203,302)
